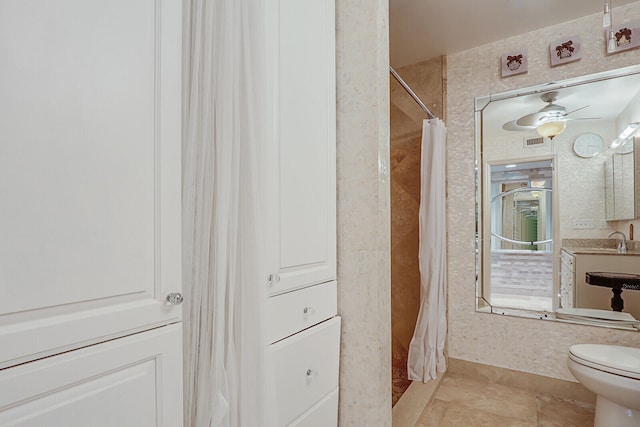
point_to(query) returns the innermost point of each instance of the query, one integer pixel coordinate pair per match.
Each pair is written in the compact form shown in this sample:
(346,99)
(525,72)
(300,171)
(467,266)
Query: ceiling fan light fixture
(625,135)
(548,121)
(551,129)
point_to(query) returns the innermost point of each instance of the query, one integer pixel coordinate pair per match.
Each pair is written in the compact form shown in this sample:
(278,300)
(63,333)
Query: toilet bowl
(613,374)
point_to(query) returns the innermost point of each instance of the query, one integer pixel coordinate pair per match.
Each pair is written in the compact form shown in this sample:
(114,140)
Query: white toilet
(613,374)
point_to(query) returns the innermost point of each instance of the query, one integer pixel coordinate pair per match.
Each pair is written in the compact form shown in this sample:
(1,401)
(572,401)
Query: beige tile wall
(532,346)
(362,58)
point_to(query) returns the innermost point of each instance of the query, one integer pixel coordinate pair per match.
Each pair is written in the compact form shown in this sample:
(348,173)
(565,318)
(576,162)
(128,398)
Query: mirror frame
(482,305)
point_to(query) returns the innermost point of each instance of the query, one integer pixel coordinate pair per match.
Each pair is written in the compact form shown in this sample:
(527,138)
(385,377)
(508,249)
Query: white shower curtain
(223,110)
(426,351)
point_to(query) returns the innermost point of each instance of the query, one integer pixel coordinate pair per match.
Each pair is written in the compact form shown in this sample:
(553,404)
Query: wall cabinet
(302,327)
(90,177)
(90,181)
(302,215)
(622,182)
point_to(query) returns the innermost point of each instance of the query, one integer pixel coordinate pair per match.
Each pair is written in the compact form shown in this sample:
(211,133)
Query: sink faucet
(622,246)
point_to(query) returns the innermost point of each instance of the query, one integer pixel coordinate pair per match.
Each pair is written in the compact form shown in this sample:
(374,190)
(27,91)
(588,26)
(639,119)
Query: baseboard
(522,380)
(409,407)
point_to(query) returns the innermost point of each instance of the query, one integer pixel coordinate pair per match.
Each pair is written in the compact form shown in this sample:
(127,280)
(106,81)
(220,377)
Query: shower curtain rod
(411,93)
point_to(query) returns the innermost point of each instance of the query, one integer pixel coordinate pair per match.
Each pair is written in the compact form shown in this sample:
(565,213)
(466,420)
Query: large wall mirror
(558,171)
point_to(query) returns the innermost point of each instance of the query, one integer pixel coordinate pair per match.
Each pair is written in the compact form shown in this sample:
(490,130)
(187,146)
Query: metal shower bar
(411,93)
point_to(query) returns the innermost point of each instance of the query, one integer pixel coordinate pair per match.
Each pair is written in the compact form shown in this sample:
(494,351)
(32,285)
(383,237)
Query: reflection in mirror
(521,246)
(546,205)
(621,168)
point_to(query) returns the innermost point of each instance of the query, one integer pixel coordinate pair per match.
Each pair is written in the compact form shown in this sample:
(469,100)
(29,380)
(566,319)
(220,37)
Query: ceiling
(424,29)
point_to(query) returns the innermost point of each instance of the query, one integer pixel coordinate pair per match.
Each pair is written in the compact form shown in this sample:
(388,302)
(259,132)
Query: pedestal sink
(617,282)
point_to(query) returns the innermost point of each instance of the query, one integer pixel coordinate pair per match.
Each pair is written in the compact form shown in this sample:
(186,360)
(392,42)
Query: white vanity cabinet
(302,324)
(90,247)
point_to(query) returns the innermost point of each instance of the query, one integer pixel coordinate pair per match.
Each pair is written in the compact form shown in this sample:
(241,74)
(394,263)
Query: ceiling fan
(549,121)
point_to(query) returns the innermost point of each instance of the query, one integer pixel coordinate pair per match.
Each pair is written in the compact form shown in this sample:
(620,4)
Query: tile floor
(467,401)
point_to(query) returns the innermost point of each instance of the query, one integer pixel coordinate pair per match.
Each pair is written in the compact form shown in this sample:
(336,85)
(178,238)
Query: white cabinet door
(134,381)
(303,218)
(89,171)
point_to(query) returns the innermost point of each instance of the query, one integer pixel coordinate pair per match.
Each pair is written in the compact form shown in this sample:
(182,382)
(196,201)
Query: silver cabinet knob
(311,375)
(175,298)
(273,278)
(308,312)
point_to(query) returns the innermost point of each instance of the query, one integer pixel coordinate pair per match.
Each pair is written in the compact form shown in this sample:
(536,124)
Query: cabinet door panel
(305,140)
(89,171)
(132,381)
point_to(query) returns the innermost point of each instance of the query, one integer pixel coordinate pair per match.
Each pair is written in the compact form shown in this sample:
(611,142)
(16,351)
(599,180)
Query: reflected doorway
(520,265)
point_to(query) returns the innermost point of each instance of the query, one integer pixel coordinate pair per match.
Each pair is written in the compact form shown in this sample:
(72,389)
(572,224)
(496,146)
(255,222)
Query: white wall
(527,345)
(580,181)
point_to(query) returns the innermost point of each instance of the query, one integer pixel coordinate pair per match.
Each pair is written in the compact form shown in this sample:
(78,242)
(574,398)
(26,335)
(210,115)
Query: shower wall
(427,79)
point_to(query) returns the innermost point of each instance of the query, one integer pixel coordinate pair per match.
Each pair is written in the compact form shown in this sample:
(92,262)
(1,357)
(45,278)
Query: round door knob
(175,298)
(273,278)
(308,312)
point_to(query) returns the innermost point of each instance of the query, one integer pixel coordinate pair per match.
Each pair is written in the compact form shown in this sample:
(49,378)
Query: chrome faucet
(622,246)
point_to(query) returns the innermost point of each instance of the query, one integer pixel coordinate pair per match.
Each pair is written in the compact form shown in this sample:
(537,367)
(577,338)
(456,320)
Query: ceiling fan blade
(550,113)
(577,109)
(582,118)
(532,119)
(513,126)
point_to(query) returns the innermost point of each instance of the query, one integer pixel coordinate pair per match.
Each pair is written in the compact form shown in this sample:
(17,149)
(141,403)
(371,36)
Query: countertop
(599,251)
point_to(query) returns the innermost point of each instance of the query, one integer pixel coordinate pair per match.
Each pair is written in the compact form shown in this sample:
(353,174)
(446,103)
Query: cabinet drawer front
(305,368)
(323,413)
(292,312)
